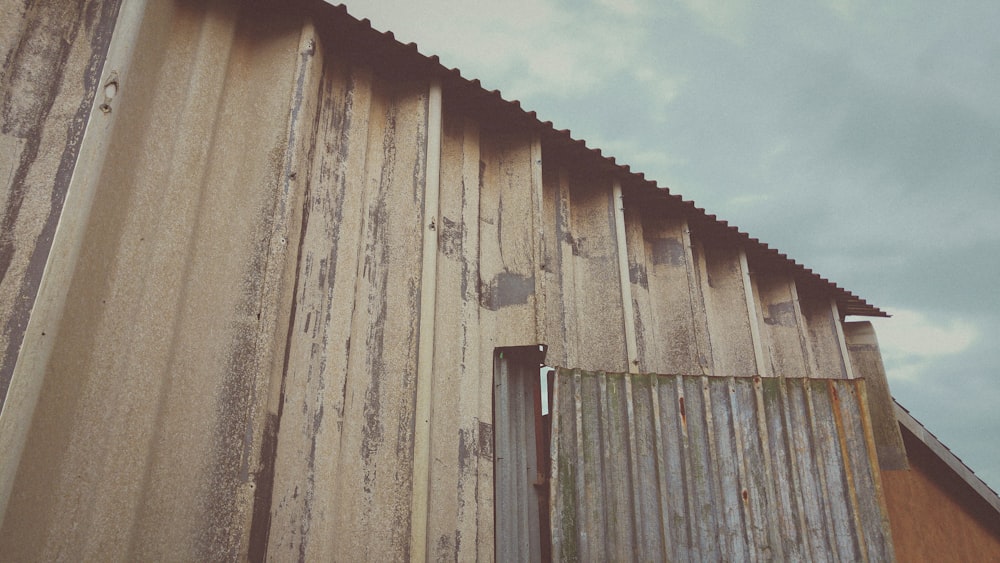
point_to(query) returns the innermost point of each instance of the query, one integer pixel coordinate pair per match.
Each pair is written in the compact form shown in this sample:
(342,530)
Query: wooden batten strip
(758,348)
(425,350)
(845,357)
(631,343)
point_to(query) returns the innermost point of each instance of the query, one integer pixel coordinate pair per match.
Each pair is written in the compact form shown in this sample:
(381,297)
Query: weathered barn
(276,286)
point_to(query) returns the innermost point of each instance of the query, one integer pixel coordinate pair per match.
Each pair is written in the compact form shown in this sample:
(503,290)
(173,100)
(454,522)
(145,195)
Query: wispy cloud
(912,341)
(538,47)
(728,20)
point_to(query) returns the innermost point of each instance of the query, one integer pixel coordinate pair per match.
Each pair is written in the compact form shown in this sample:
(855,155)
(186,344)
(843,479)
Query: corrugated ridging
(698,468)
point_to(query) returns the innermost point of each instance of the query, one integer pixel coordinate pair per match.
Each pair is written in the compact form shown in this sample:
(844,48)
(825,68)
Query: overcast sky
(862,140)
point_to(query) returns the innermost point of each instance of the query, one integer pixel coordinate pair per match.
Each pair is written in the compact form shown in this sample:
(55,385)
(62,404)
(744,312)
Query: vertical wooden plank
(803,329)
(506,242)
(704,497)
(593,503)
(309,437)
(839,497)
(647,341)
(618,465)
(880,525)
(822,328)
(382,363)
(753,315)
(460,431)
(725,451)
(811,481)
(30,304)
(763,512)
(861,470)
(597,288)
(783,335)
(726,308)
(670,320)
(562,319)
(776,424)
(696,272)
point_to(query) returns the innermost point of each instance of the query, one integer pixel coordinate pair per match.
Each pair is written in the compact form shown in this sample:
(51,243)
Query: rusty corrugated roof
(388,50)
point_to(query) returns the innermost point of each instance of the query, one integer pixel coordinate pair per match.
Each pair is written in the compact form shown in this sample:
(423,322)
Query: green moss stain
(771,388)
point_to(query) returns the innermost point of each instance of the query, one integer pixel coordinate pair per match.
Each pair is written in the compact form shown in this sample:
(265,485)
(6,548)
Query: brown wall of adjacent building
(934,515)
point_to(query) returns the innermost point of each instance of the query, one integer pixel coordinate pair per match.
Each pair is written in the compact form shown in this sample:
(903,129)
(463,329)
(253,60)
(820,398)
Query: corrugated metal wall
(222,358)
(700,468)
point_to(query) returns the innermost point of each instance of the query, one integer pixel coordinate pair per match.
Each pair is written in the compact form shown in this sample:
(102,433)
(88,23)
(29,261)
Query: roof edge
(964,472)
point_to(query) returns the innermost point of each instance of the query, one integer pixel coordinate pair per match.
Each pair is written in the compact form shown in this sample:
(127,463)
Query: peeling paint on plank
(506,289)
(668,251)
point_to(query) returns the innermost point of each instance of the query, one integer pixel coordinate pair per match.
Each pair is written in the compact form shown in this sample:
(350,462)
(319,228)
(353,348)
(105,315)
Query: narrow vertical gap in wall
(522,422)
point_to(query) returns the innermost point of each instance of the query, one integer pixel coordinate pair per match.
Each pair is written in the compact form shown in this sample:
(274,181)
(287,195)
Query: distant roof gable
(914,427)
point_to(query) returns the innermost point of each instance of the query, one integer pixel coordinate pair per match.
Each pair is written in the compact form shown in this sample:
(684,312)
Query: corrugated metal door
(700,468)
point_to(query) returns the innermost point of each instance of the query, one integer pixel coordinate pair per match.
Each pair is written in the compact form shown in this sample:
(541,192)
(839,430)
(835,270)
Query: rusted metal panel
(658,467)
(517,464)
